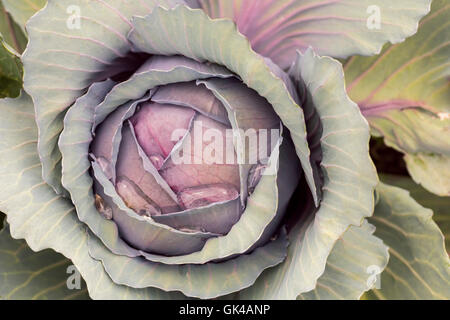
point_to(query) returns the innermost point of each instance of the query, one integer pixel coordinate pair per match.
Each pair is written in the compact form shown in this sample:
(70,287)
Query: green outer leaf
(22,10)
(11,32)
(350,264)
(431,171)
(61,62)
(191,33)
(27,275)
(419,267)
(405,94)
(35,212)
(74,145)
(276,28)
(10,72)
(439,205)
(349,181)
(205,281)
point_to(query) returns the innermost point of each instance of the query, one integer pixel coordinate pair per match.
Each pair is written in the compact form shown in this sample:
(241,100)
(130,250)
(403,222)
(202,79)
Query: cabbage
(207,149)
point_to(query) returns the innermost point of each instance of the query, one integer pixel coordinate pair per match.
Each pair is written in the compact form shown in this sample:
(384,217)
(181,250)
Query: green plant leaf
(28,275)
(356,257)
(22,10)
(339,28)
(349,181)
(10,72)
(419,267)
(36,213)
(11,32)
(439,205)
(405,94)
(431,170)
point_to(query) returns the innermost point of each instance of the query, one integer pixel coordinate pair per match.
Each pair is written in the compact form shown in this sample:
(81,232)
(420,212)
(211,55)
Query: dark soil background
(387,160)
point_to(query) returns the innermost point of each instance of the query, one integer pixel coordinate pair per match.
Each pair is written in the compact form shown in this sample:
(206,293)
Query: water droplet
(157,160)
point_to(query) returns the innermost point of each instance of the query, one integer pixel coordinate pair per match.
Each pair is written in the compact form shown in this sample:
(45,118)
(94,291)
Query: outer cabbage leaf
(337,28)
(431,170)
(61,62)
(349,181)
(10,71)
(36,213)
(204,281)
(419,267)
(22,10)
(27,275)
(11,32)
(356,257)
(439,205)
(405,94)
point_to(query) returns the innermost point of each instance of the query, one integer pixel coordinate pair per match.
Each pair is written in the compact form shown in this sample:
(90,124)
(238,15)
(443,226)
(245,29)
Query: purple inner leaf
(197,165)
(204,195)
(130,167)
(155,125)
